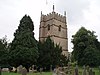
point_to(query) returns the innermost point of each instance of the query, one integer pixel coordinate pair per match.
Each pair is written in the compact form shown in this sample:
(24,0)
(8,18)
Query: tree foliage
(24,50)
(4,52)
(86,47)
(50,54)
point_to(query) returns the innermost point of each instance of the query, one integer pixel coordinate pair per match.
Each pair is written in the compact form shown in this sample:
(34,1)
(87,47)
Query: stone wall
(54,20)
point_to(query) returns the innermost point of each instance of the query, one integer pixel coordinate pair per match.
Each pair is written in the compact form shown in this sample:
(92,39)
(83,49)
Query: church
(55,26)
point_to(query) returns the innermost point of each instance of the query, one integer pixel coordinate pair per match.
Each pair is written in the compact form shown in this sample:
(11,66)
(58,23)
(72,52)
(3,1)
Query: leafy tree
(50,54)
(24,50)
(85,50)
(4,52)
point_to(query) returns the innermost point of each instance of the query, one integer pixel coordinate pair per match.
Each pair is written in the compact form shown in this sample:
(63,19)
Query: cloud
(79,13)
(74,9)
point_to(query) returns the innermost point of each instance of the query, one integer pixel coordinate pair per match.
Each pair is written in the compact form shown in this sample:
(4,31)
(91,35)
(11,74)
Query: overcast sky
(79,13)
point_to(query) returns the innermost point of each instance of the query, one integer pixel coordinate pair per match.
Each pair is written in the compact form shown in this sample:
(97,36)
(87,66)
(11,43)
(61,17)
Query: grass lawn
(44,73)
(97,72)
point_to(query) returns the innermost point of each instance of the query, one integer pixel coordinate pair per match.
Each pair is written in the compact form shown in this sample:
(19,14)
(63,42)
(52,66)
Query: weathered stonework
(55,26)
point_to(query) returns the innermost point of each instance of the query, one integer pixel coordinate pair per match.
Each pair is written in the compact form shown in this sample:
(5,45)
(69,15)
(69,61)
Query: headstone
(5,69)
(24,71)
(55,71)
(61,71)
(41,69)
(87,68)
(99,68)
(90,71)
(93,73)
(84,70)
(51,68)
(76,70)
(32,68)
(19,69)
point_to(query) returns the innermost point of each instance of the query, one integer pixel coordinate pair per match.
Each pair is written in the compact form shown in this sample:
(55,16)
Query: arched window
(48,27)
(59,28)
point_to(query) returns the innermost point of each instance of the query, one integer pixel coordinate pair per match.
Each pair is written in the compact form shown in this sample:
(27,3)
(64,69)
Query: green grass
(44,73)
(97,72)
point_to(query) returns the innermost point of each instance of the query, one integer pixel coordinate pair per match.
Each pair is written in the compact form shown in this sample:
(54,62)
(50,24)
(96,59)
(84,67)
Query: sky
(80,13)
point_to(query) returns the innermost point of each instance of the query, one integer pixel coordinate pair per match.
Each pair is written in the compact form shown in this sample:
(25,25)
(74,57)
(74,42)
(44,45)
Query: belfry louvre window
(59,28)
(48,27)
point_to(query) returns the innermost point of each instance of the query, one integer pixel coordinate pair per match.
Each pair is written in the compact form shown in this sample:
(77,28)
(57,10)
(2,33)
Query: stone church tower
(55,26)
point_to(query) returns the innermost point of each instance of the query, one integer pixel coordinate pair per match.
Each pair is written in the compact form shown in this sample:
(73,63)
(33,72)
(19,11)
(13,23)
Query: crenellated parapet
(53,15)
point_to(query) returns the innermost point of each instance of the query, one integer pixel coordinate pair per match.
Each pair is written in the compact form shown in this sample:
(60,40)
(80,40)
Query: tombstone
(5,69)
(55,71)
(68,67)
(19,69)
(93,73)
(41,69)
(32,68)
(90,71)
(76,70)
(51,68)
(24,71)
(84,71)
(87,68)
(61,71)
(99,68)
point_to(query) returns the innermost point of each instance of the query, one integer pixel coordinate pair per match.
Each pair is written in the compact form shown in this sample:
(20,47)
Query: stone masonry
(55,26)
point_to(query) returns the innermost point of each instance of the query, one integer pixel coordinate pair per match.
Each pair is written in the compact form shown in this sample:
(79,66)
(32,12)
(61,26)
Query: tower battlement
(53,15)
(55,26)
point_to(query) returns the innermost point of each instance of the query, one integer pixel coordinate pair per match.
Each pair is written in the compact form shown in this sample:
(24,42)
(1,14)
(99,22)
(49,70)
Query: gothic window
(48,27)
(59,28)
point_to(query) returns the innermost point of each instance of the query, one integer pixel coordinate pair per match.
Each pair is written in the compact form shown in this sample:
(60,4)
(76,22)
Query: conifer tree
(4,52)
(24,50)
(50,55)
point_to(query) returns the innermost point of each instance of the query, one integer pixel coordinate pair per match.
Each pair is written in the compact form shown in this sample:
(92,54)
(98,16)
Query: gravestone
(41,69)
(91,72)
(99,68)
(24,71)
(76,70)
(61,71)
(19,69)
(51,68)
(55,71)
(84,71)
(32,68)
(87,68)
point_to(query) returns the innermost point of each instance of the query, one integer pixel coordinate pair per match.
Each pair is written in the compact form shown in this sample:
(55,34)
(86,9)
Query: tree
(85,50)
(24,50)
(49,54)
(4,52)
